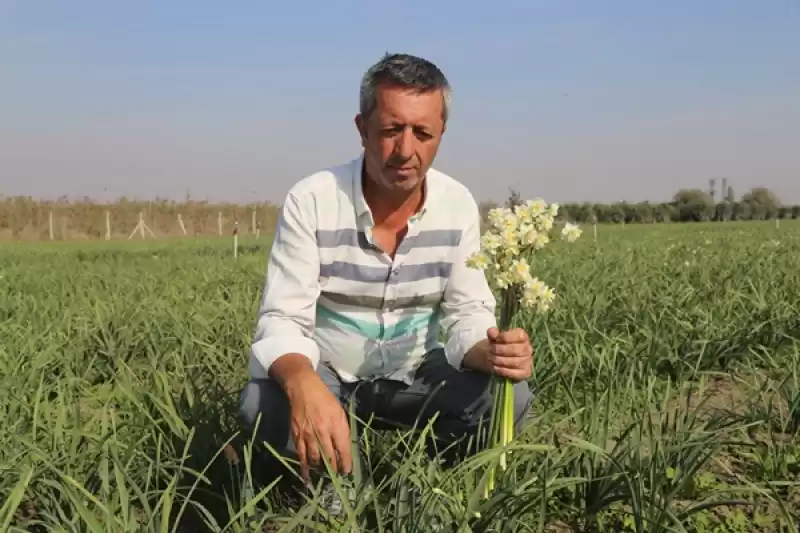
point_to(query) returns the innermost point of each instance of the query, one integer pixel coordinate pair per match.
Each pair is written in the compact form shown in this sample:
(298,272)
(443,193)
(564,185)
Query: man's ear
(361,126)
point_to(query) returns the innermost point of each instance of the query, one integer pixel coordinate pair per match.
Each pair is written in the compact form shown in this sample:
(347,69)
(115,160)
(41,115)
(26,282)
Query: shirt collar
(360,203)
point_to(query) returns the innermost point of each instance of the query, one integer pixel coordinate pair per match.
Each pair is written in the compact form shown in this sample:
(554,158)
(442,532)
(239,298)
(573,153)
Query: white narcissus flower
(571,232)
(536,207)
(510,221)
(490,242)
(521,271)
(510,238)
(541,241)
(496,217)
(533,291)
(502,280)
(549,295)
(528,234)
(478,260)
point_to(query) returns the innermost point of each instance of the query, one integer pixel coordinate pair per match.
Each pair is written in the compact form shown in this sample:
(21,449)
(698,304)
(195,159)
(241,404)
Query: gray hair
(403,70)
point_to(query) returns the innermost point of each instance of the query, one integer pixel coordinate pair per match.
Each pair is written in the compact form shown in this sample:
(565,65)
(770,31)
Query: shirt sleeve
(287,313)
(468,305)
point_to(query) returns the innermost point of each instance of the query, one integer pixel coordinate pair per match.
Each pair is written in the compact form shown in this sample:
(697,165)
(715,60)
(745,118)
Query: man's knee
(482,410)
(264,398)
(523,397)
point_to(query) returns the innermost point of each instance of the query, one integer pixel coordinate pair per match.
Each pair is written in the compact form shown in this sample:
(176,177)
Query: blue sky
(568,100)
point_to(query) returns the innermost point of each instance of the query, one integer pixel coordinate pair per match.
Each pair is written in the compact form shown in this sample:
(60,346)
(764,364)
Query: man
(367,267)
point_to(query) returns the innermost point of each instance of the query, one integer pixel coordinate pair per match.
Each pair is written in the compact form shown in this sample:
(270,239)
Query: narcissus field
(667,382)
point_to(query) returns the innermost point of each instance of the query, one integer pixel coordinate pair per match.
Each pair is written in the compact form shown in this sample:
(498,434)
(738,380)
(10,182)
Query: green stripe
(374,330)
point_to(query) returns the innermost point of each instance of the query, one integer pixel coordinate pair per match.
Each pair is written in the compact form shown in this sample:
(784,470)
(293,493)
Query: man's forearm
(477,358)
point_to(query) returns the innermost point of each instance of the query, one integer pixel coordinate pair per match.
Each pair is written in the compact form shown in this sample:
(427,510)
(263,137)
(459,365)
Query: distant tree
(688,196)
(796,212)
(581,212)
(644,213)
(763,203)
(694,205)
(723,211)
(741,211)
(661,213)
(613,213)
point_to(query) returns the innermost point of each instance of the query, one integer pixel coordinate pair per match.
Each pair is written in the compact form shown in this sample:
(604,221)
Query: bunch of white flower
(515,234)
(506,248)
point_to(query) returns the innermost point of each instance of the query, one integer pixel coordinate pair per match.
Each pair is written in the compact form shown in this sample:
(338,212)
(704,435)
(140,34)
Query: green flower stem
(502,424)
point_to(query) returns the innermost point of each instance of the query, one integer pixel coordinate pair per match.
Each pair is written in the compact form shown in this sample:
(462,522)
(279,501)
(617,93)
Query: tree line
(25,218)
(687,205)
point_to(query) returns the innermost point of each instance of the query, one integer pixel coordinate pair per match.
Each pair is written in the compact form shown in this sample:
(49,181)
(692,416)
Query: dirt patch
(721,394)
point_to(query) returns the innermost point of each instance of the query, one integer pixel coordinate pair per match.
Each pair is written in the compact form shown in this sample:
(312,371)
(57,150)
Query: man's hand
(510,354)
(319,426)
(318,422)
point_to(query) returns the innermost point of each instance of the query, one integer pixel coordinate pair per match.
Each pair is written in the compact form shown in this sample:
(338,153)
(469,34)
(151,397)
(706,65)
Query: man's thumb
(492,334)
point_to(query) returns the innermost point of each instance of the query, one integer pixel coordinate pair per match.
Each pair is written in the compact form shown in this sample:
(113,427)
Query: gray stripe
(357,238)
(349,271)
(377,302)
(406,273)
(380,274)
(437,237)
(342,237)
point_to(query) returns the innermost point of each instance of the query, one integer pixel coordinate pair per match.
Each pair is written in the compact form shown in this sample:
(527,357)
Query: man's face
(401,137)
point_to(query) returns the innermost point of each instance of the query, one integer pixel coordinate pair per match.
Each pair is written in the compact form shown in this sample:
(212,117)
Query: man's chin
(402,181)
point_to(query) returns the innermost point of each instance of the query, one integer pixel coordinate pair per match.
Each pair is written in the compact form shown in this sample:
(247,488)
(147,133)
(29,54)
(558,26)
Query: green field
(667,392)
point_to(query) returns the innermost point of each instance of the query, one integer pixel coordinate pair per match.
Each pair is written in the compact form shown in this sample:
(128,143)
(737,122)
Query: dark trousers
(461,401)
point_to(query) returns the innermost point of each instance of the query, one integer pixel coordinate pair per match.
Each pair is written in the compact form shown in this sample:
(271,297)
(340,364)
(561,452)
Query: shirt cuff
(268,349)
(464,336)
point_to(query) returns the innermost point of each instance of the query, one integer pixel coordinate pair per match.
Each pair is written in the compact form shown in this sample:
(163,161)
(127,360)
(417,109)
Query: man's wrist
(290,370)
(477,358)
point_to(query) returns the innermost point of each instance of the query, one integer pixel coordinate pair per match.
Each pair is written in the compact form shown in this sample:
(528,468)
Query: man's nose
(405,144)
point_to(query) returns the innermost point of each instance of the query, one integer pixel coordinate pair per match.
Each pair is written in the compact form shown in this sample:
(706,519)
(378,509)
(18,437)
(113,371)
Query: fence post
(235,239)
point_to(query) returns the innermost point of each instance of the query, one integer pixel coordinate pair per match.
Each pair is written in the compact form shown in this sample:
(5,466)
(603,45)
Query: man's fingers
(302,456)
(513,374)
(327,445)
(512,336)
(510,362)
(341,442)
(509,350)
(312,449)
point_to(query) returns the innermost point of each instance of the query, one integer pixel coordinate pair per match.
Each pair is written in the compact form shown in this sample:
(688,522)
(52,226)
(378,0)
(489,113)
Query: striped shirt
(332,295)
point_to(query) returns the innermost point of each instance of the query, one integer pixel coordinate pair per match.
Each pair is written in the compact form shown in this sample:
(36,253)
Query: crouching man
(367,268)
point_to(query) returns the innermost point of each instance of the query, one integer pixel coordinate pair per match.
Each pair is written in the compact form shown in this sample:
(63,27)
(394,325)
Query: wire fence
(30,220)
